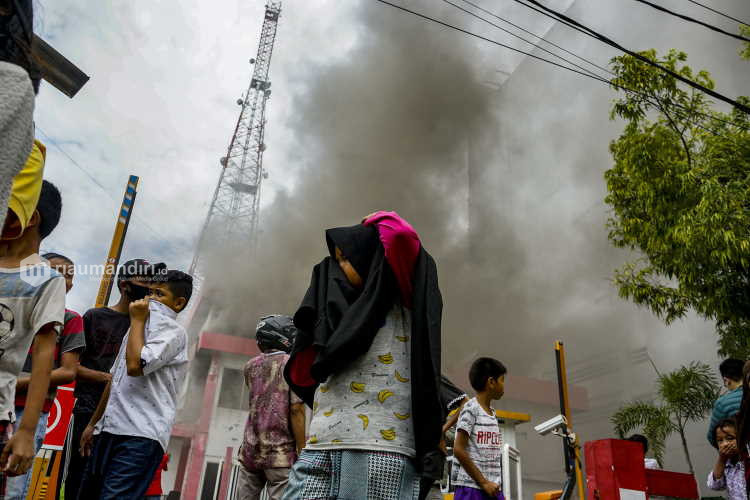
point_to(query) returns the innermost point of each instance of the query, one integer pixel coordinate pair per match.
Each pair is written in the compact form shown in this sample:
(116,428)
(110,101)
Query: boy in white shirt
(479,442)
(137,409)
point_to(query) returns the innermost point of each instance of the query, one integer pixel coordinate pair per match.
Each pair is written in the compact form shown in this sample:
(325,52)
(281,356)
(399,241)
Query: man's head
(731,372)
(488,375)
(62,265)
(135,278)
(275,333)
(639,438)
(173,289)
(43,221)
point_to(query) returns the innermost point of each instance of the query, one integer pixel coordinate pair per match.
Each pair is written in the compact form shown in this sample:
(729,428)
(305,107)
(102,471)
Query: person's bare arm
(460,451)
(136,337)
(90,375)
(297,412)
(88,434)
(18,454)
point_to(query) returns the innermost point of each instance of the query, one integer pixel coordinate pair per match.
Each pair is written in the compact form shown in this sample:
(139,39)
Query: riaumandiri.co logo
(35,270)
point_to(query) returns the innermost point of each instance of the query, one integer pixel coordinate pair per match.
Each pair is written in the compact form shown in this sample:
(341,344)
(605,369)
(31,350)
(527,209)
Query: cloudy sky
(161,104)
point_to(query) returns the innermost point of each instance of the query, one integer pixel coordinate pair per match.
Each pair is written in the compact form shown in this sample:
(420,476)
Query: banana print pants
(352,475)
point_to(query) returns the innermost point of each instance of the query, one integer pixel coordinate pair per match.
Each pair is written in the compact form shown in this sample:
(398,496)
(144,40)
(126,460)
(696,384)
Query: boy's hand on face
(490,488)
(727,450)
(139,310)
(18,454)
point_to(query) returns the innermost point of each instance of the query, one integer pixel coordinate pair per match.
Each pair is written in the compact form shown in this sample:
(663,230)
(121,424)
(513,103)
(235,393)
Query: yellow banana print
(388,434)
(315,407)
(401,417)
(384,394)
(313,439)
(405,338)
(365,421)
(336,441)
(386,359)
(401,378)
(328,413)
(324,388)
(357,387)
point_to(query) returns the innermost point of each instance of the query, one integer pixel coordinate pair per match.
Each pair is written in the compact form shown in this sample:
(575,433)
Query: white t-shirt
(485,445)
(30,298)
(145,406)
(367,406)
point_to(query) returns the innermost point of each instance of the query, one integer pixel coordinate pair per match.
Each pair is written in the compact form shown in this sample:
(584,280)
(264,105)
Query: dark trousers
(76,462)
(120,468)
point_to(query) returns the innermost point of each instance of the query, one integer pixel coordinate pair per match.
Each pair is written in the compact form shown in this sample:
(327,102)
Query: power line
(489,40)
(719,12)
(519,37)
(91,177)
(588,75)
(542,39)
(562,17)
(693,20)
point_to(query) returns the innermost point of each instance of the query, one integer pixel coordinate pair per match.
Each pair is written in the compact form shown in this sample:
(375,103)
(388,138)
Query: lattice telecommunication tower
(233,215)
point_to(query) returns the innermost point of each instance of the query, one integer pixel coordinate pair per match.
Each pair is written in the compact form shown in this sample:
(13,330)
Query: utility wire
(588,75)
(581,27)
(542,39)
(494,42)
(693,20)
(719,12)
(92,178)
(519,37)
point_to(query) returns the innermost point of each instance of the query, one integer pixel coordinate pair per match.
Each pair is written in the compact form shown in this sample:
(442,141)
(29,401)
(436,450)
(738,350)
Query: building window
(234,393)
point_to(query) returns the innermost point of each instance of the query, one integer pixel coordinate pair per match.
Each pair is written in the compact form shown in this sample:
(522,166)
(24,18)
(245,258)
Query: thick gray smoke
(503,183)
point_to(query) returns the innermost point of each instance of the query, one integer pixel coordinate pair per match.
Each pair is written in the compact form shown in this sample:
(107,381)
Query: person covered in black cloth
(367,361)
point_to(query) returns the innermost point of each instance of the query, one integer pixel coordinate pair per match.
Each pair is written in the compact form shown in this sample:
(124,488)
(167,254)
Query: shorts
(468,493)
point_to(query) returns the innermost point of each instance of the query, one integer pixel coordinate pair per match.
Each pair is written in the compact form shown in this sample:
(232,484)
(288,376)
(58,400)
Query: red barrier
(615,471)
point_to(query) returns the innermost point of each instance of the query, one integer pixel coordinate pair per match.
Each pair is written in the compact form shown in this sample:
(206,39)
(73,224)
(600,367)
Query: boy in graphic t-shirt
(478,444)
(32,310)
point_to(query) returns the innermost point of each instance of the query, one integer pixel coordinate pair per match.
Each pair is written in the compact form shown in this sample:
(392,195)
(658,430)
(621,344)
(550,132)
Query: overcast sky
(161,104)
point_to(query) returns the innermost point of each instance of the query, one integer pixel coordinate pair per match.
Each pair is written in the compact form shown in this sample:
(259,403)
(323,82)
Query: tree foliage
(680,196)
(685,395)
(745,52)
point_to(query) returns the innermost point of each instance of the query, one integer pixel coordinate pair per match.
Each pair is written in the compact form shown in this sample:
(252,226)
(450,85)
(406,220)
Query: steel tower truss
(233,215)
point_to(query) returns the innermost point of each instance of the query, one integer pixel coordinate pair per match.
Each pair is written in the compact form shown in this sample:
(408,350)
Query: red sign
(59,418)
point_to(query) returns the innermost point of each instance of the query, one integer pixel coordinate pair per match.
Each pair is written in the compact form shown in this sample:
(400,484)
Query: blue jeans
(18,486)
(121,468)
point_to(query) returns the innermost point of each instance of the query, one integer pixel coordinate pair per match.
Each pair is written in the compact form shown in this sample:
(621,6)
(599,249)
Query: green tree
(685,395)
(680,196)
(745,31)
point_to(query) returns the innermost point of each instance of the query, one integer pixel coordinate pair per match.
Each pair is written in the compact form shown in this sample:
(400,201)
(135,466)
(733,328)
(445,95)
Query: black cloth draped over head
(337,323)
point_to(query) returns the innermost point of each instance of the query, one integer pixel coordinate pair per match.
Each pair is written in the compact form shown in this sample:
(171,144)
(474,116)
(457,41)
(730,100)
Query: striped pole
(118,239)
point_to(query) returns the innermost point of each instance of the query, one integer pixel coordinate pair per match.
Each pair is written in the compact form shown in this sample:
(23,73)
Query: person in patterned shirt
(729,471)
(275,429)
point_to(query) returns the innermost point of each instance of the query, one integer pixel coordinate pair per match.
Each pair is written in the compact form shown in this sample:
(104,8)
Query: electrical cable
(597,78)
(693,20)
(542,39)
(612,43)
(519,37)
(582,59)
(92,178)
(719,12)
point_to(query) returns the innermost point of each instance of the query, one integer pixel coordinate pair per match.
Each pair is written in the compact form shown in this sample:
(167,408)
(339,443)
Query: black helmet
(276,331)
